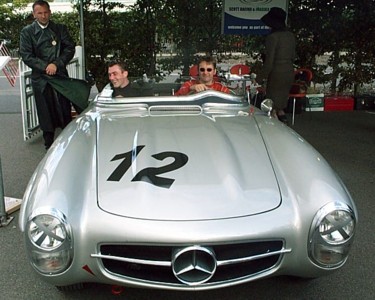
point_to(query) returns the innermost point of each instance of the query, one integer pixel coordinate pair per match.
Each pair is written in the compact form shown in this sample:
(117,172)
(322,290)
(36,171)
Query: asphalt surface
(345,139)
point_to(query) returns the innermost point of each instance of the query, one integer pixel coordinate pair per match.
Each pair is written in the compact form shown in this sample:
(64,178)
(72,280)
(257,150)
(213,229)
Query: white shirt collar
(43,26)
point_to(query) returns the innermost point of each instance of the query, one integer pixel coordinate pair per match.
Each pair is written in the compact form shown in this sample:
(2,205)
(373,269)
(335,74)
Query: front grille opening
(231,251)
(140,271)
(239,267)
(235,271)
(138,252)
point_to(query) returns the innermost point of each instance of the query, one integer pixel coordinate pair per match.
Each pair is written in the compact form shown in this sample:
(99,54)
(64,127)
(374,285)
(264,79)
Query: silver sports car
(193,192)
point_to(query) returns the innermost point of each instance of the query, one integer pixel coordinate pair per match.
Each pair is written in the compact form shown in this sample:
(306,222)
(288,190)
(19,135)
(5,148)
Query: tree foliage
(345,30)
(9,21)
(138,35)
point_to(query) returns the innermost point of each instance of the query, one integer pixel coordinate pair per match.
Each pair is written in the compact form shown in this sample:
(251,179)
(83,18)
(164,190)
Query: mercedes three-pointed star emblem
(194,265)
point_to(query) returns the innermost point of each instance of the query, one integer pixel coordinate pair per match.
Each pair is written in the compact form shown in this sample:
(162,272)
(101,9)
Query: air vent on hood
(160,110)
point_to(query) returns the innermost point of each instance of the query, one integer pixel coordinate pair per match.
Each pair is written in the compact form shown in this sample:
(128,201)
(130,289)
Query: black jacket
(40,47)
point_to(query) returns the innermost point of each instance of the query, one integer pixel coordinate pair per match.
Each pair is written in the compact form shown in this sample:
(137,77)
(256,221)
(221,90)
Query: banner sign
(242,17)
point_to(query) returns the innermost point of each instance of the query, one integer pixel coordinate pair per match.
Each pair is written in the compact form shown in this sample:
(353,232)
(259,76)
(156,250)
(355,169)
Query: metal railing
(10,68)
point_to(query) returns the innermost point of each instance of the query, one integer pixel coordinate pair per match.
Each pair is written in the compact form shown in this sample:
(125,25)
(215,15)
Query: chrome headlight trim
(331,235)
(49,241)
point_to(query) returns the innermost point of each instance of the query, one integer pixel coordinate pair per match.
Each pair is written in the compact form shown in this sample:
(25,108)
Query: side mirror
(267,106)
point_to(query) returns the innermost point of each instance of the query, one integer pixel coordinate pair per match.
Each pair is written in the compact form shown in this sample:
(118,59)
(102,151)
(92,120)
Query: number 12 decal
(149,175)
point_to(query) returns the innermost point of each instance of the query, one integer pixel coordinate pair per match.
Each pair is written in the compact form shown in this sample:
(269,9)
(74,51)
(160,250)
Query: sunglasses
(203,69)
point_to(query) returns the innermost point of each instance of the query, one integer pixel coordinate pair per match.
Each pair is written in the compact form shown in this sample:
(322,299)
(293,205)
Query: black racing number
(149,175)
(128,158)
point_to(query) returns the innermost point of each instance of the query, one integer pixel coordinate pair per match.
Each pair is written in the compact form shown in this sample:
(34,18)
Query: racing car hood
(183,168)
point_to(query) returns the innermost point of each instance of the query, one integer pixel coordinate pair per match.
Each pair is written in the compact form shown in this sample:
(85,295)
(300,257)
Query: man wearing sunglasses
(205,81)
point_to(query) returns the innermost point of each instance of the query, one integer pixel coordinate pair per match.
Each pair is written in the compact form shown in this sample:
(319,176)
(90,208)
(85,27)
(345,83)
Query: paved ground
(345,139)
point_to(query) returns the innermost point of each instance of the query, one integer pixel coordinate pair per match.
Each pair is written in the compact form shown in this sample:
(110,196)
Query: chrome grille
(154,264)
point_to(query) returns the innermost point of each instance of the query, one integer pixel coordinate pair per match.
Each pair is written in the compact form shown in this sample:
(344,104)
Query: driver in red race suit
(206,81)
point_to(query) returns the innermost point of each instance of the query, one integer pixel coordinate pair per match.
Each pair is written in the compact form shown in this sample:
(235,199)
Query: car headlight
(331,235)
(49,241)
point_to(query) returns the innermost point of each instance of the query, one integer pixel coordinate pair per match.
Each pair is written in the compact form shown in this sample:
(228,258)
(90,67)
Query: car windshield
(154,93)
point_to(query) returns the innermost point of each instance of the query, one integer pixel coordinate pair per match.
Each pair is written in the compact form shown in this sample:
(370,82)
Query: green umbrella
(76,90)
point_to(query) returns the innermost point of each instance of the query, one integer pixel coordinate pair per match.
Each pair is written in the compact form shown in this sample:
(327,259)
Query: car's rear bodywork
(189,193)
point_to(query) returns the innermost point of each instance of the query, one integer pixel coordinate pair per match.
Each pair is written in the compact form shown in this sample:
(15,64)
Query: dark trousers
(54,111)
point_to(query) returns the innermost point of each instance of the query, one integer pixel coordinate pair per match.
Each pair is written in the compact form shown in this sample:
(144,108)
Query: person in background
(120,84)
(278,70)
(47,48)
(206,72)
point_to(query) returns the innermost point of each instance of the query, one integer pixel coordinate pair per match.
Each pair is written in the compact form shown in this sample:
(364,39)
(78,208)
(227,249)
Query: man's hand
(51,69)
(200,87)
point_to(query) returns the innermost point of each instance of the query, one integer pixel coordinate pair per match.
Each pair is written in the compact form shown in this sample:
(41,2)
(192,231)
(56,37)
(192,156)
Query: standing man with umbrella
(47,48)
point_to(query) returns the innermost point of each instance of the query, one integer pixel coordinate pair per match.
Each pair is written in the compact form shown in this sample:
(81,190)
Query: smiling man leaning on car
(122,86)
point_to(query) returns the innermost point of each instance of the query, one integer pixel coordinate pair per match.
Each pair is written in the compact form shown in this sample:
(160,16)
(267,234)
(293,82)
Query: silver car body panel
(247,178)
(224,175)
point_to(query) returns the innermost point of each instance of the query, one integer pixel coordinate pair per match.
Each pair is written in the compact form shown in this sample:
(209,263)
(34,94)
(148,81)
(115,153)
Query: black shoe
(48,139)
(283,119)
